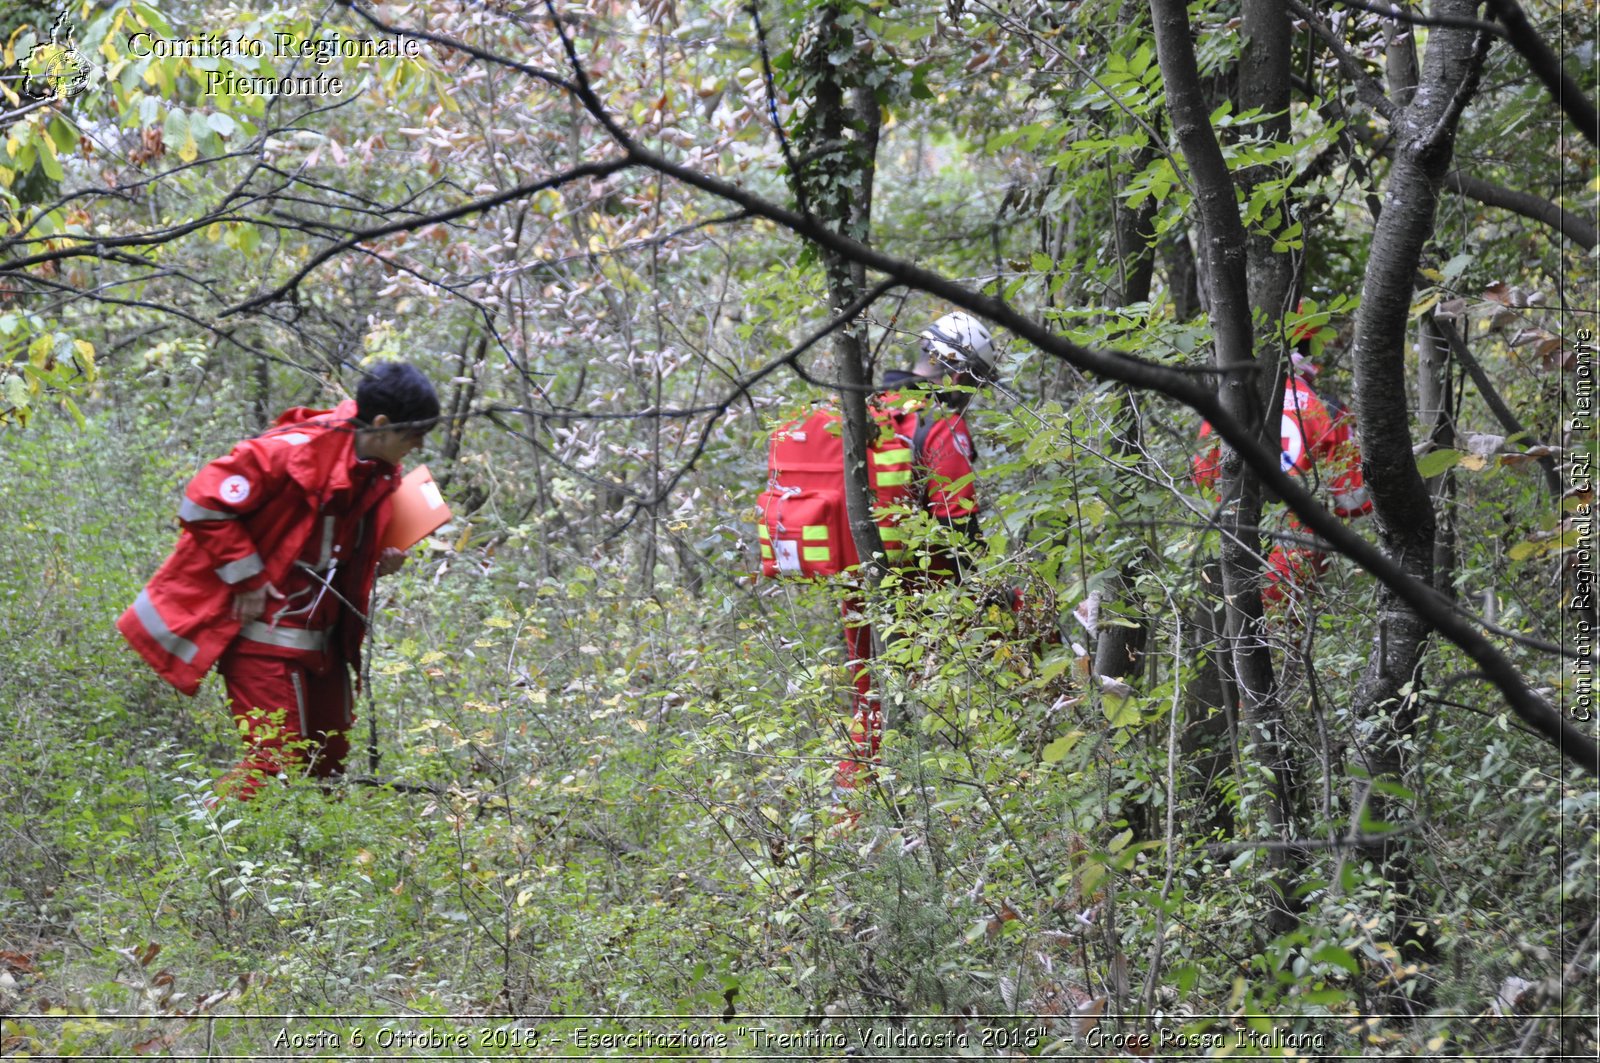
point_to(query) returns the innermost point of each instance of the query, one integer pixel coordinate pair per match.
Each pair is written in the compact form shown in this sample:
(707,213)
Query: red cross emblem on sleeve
(235,489)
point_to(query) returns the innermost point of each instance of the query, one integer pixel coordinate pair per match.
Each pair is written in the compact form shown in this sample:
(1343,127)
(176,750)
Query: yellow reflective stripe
(890,457)
(764,531)
(814,532)
(894,479)
(766,551)
(814,553)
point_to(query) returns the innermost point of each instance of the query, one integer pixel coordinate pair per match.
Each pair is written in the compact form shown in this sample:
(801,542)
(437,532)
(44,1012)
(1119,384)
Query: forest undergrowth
(613,805)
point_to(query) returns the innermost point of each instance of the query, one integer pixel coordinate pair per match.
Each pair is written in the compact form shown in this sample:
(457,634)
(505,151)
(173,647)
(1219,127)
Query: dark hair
(399,391)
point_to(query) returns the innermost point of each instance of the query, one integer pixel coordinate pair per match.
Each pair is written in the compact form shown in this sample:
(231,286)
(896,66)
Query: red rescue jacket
(246,519)
(1316,441)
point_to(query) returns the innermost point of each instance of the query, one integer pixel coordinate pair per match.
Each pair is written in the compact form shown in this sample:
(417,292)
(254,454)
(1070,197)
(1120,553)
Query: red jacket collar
(324,446)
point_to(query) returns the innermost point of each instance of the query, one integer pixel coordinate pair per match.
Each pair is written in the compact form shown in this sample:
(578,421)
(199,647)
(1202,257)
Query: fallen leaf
(155,1044)
(1087,1016)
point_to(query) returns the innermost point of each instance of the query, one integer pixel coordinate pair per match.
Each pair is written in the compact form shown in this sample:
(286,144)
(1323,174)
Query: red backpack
(803,525)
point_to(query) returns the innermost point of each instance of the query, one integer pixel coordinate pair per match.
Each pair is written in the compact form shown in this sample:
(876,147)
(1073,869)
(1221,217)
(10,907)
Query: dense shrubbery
(627,810)
(608,757)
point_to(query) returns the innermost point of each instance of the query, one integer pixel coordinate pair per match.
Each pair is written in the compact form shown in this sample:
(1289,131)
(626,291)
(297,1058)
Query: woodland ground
(627,238)
(631,818)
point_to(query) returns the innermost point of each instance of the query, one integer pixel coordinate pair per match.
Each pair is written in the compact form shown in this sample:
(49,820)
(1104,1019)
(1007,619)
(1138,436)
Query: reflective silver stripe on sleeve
(288,638)
(240,570)
(175,644)
(193,511)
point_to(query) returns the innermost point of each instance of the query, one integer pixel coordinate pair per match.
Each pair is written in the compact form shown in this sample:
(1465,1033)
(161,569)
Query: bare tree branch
(1526,204)
(1491,397)
(1573,226)
(477,206)
(1569,96)
(1416,18)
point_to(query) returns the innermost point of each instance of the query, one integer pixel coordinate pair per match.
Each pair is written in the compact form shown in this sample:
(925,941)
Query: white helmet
(960,343)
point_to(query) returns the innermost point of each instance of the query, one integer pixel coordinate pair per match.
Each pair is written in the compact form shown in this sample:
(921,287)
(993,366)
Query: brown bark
(1225,273)
(842,135)
(1117,648)
(261,396)
(1273,276)
(1402,503)
(1573,226)
(1436,411)
(468,361)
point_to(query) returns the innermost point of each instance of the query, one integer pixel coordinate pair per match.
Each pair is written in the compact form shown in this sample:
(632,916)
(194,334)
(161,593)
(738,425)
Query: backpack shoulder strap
(919,436)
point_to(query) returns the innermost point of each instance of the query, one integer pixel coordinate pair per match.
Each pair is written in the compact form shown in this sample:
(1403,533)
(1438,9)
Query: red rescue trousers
(291,711)
(1293,569)
(866,711)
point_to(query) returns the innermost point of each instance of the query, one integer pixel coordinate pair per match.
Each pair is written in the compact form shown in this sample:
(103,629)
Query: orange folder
(419,508)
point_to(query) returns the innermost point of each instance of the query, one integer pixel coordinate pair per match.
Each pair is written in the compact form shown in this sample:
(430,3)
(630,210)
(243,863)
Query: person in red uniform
(271,577)
(1318,443)
(957,356)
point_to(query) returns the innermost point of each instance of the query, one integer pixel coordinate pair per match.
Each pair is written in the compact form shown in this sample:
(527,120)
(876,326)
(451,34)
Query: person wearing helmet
(957,357)
(927,403)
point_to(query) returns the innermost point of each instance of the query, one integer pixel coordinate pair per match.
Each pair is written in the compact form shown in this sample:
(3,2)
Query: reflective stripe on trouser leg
(267,704)
(866,711)
(315,705)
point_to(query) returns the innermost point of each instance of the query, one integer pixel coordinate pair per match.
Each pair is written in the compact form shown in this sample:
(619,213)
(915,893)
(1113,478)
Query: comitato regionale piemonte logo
(55,69)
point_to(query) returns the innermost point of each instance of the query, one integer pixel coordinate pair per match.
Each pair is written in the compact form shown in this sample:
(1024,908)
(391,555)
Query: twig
(1547,68)
(796,177)
(1153,974)
(1349,841)
(477,206)
(1415,18)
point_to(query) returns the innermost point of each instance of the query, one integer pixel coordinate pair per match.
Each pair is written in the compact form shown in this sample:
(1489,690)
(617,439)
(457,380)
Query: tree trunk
(468,362)
(1118,647)
(1274,276)
(261,398)
(1402,505)
(1436,411)
(841,135)
(1225,278)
